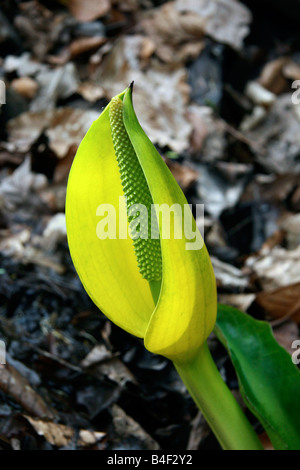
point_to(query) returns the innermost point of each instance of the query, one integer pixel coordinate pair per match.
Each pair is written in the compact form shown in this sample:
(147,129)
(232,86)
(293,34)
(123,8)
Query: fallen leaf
(82,45)
(177,28)
(221,186)
(127,5)
(25,86)
(98,354)
(272,77)
(18,387)
(61,435)
(100,362)
(65,127)
(90,91)
(176,36)
(39,27)
(283,302)
(259,95)
(55,85)
(278,135)
(184,175)
(240,301)
(208,135)
(163,119)
(291,70)
(226,21)
(55,231)
(8,159)
(275,267)
(228,276)
(88,10)
(272,188)
(252,120)
(199,431)
(64,164)
(23,65)
(126,426)
(19,187)
(147,48)
(290,224)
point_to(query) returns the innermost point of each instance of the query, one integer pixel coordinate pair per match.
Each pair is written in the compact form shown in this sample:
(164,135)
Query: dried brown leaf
(91,91)
(272,188)
(88,10)
(65,127)
(207,140)
(163,118)
(20,187)
(240,301)
(125,426)
(100,362)
(221,185)
(291,70)
(177,28)
(98,354)
(176,36)
(17,386)
(184,175)
(282,302)
(272,77)
(275,267)
(279,136)
(56,84)
(199,431)
(229,276)
(87,44)
(25,86)
(226,21)
(61,435)
(39,26)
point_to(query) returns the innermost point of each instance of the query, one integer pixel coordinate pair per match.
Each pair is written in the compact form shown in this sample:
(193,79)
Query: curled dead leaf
(276,267)
(17,386)
(88,10)
(281,303)
(61,435)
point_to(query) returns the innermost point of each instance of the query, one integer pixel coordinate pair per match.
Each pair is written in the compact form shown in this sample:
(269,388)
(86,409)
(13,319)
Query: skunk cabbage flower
(157,286)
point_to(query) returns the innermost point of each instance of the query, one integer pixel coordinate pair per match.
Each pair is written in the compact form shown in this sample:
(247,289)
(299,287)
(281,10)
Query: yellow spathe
(186,310)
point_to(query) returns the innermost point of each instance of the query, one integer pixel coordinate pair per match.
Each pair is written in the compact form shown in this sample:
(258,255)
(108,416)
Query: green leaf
(269,381)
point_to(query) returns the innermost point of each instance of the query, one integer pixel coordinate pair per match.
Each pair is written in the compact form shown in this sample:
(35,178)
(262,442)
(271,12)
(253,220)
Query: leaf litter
(223,119)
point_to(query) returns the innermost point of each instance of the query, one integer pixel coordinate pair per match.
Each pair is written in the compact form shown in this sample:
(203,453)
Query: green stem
(216,402)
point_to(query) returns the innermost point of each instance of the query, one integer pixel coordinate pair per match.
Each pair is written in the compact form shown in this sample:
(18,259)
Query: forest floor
(215,91)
